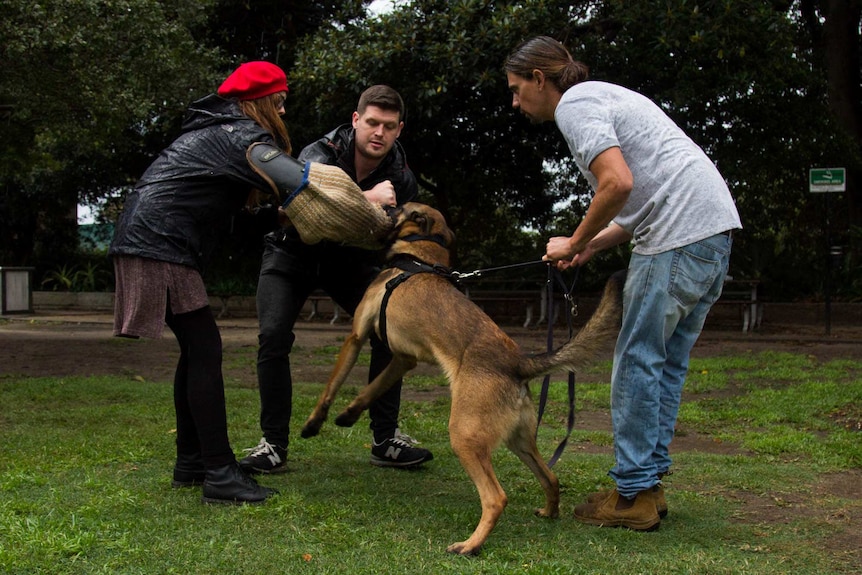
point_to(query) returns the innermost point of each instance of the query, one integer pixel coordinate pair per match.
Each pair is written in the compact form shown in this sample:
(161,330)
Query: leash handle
(553,273)
(546,382)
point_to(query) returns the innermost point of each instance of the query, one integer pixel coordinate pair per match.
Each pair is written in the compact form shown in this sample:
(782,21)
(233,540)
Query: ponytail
(551,57)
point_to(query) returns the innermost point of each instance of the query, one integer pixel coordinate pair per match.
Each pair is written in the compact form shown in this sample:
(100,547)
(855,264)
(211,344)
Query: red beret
(254,80)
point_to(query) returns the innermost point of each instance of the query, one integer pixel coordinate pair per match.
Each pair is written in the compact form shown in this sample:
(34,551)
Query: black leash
(480,273)
(554,273)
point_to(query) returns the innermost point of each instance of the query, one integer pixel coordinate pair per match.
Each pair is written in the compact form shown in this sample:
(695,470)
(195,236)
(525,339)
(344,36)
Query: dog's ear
(435,224)
(412,216)
(423,221)
(404,214)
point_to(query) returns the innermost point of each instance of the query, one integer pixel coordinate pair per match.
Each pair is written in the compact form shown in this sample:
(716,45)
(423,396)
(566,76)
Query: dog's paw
(552,514)
(462,548)
(347,418)
(311,428)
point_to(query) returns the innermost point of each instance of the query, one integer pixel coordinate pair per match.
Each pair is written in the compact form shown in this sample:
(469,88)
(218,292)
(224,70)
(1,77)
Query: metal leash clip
(573,306)
(464,275)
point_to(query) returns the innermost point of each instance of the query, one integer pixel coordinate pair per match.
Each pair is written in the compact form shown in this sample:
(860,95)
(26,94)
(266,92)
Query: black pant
(289,272)
(199,388)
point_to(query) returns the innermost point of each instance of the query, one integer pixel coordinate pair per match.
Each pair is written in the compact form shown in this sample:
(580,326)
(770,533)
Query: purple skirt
(144,290)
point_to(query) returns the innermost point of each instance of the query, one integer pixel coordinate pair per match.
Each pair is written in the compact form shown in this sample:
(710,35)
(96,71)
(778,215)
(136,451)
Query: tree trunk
(841,52)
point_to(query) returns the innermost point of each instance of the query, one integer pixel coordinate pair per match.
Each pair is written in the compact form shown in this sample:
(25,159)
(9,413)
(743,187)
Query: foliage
(91,87)
(731,73)
(481,166)
(89,272)
(60,279)
(92,90)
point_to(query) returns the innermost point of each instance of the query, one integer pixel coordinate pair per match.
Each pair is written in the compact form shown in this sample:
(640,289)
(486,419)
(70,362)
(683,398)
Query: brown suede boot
(660,501)
(599,496)
(658,491)
(639,514)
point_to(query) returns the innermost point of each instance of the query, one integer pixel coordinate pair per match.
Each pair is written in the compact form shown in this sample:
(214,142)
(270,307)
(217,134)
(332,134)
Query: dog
(426,318)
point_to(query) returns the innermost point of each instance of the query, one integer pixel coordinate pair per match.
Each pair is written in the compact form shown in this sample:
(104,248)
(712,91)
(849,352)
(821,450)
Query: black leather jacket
(183,203)
(337,149)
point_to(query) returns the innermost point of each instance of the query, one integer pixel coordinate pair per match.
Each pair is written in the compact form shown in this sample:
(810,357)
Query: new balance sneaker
(264,458)
(398,451)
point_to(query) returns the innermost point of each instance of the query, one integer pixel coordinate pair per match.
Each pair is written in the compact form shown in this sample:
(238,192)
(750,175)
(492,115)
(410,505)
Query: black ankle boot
(188,471)
(231,485)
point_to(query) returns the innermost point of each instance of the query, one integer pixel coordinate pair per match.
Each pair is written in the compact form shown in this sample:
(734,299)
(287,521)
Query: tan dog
(428,319)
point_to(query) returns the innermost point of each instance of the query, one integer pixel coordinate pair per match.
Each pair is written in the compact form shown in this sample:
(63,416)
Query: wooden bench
(314,301)
(743,293)
(740,293)
(525,301)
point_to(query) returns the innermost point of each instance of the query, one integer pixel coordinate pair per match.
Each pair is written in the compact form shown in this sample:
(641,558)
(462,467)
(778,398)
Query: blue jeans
(665,302)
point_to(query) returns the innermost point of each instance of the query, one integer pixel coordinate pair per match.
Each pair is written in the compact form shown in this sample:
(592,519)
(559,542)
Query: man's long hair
(551,57)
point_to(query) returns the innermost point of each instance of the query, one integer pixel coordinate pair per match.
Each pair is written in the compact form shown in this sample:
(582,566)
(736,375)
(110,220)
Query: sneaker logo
(274,458)
(393,452)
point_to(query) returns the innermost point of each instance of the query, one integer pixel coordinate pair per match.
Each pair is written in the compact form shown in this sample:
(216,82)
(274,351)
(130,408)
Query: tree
(92,90)
(833,32)
(769,88)
(738,77)
(471,153)
(731,73)
(88,86)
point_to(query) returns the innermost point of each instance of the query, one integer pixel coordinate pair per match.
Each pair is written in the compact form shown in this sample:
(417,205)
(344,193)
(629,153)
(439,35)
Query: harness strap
(410,267)
(390,287)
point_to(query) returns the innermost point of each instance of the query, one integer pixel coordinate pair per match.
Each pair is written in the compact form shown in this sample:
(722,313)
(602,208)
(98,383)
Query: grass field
(86,462)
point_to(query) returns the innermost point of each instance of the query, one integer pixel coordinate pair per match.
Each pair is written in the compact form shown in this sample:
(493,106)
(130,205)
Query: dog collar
(436,238)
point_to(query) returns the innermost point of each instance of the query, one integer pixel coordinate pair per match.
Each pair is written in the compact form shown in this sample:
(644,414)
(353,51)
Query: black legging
(199,388)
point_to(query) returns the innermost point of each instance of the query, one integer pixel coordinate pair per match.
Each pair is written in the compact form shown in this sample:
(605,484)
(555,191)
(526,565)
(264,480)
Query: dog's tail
(596,337)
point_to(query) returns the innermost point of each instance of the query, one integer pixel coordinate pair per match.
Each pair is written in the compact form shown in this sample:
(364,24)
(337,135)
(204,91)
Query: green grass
(86,462)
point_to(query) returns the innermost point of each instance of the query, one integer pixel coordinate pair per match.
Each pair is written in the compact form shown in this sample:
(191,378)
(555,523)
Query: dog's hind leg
(473,440)
(346,360)
(522,442)
(396,369)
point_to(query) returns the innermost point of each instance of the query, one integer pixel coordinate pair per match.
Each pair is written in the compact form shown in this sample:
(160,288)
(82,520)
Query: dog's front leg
(346,360)
(399,365)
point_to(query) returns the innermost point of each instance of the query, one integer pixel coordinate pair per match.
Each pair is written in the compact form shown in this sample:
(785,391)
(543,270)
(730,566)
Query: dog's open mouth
(393,212)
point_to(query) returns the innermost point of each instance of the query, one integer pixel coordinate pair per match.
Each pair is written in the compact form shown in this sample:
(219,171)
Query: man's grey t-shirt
(679,197)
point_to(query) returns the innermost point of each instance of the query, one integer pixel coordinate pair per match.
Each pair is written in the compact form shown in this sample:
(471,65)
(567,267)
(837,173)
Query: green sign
(826,180)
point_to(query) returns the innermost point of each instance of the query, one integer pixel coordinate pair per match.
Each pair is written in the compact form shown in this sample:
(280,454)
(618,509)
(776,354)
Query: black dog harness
(409,267)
